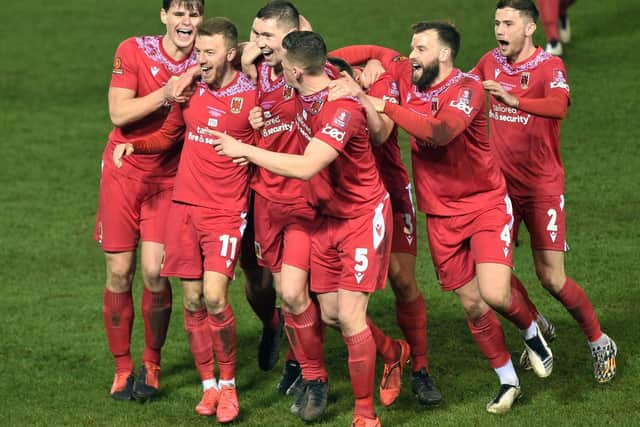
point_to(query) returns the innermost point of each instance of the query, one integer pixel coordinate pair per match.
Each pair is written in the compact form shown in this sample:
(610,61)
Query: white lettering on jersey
(559,81)
(334,133)
(503,113)
(465,108)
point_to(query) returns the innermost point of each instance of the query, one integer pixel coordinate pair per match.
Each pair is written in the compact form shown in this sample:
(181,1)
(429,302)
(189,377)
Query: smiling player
(134,199)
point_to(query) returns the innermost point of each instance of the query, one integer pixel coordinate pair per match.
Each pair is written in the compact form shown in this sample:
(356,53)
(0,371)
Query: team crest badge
(524,80)
(288,92)
(316,107)
(236,105)
(399,58)
(435,104)
(117,66)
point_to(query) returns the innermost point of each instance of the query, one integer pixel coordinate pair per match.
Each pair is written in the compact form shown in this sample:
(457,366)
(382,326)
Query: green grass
(55,368)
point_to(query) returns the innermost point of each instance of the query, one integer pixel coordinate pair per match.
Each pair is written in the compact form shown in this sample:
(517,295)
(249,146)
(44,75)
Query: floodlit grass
(55,368)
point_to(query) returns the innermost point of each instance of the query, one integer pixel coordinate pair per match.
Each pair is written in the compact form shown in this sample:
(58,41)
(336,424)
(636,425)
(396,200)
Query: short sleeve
(125,66)
(340,121)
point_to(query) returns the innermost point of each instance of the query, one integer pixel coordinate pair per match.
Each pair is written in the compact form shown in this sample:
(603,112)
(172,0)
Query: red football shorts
(460,242)
(283,233)
(352,254)
(201,239)
(545,219)
(130,210)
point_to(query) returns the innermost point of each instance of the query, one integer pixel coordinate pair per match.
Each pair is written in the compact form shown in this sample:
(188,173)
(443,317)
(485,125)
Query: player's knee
(474,308)
(498,301)
(550,279)
(151,274)
(404,286)
(294,300)
(215,303)
(331,319)
(119,277)
(192,302)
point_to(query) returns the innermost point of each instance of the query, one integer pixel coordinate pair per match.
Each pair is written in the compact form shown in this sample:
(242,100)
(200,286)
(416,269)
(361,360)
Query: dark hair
(341,64)
(525,7)
(189,4)
(306,49)
(223,26)
(282,11)
(447,34)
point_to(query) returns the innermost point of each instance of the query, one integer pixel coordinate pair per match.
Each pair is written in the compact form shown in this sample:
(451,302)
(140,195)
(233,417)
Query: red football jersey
(142,65)
(204,177)
(527,147)
(460,177)
(388,156)
(279,133)
(350,186)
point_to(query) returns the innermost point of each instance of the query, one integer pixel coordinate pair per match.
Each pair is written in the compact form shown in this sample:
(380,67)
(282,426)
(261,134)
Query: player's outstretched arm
(552,106)
(171,133)
(437,131)
(360,54)
(316,157)
(125,108)
(185,85)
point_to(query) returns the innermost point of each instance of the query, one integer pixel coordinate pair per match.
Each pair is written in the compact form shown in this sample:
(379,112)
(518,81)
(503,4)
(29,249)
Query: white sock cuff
(227,383)
(207,384)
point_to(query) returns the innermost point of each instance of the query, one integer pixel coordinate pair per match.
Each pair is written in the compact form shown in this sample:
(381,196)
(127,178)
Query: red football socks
(200,342)
(387,348)
(575,300)
(117,310)
(223,332)
(412,319)
(304,331)
(518,312)
(489,336)
(362,364)
(517,285)
(156,312)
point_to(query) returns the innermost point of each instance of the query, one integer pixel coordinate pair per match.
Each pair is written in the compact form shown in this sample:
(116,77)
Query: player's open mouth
(416,67)
(184,33)
(205,70)
(503,43)
(267,54)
